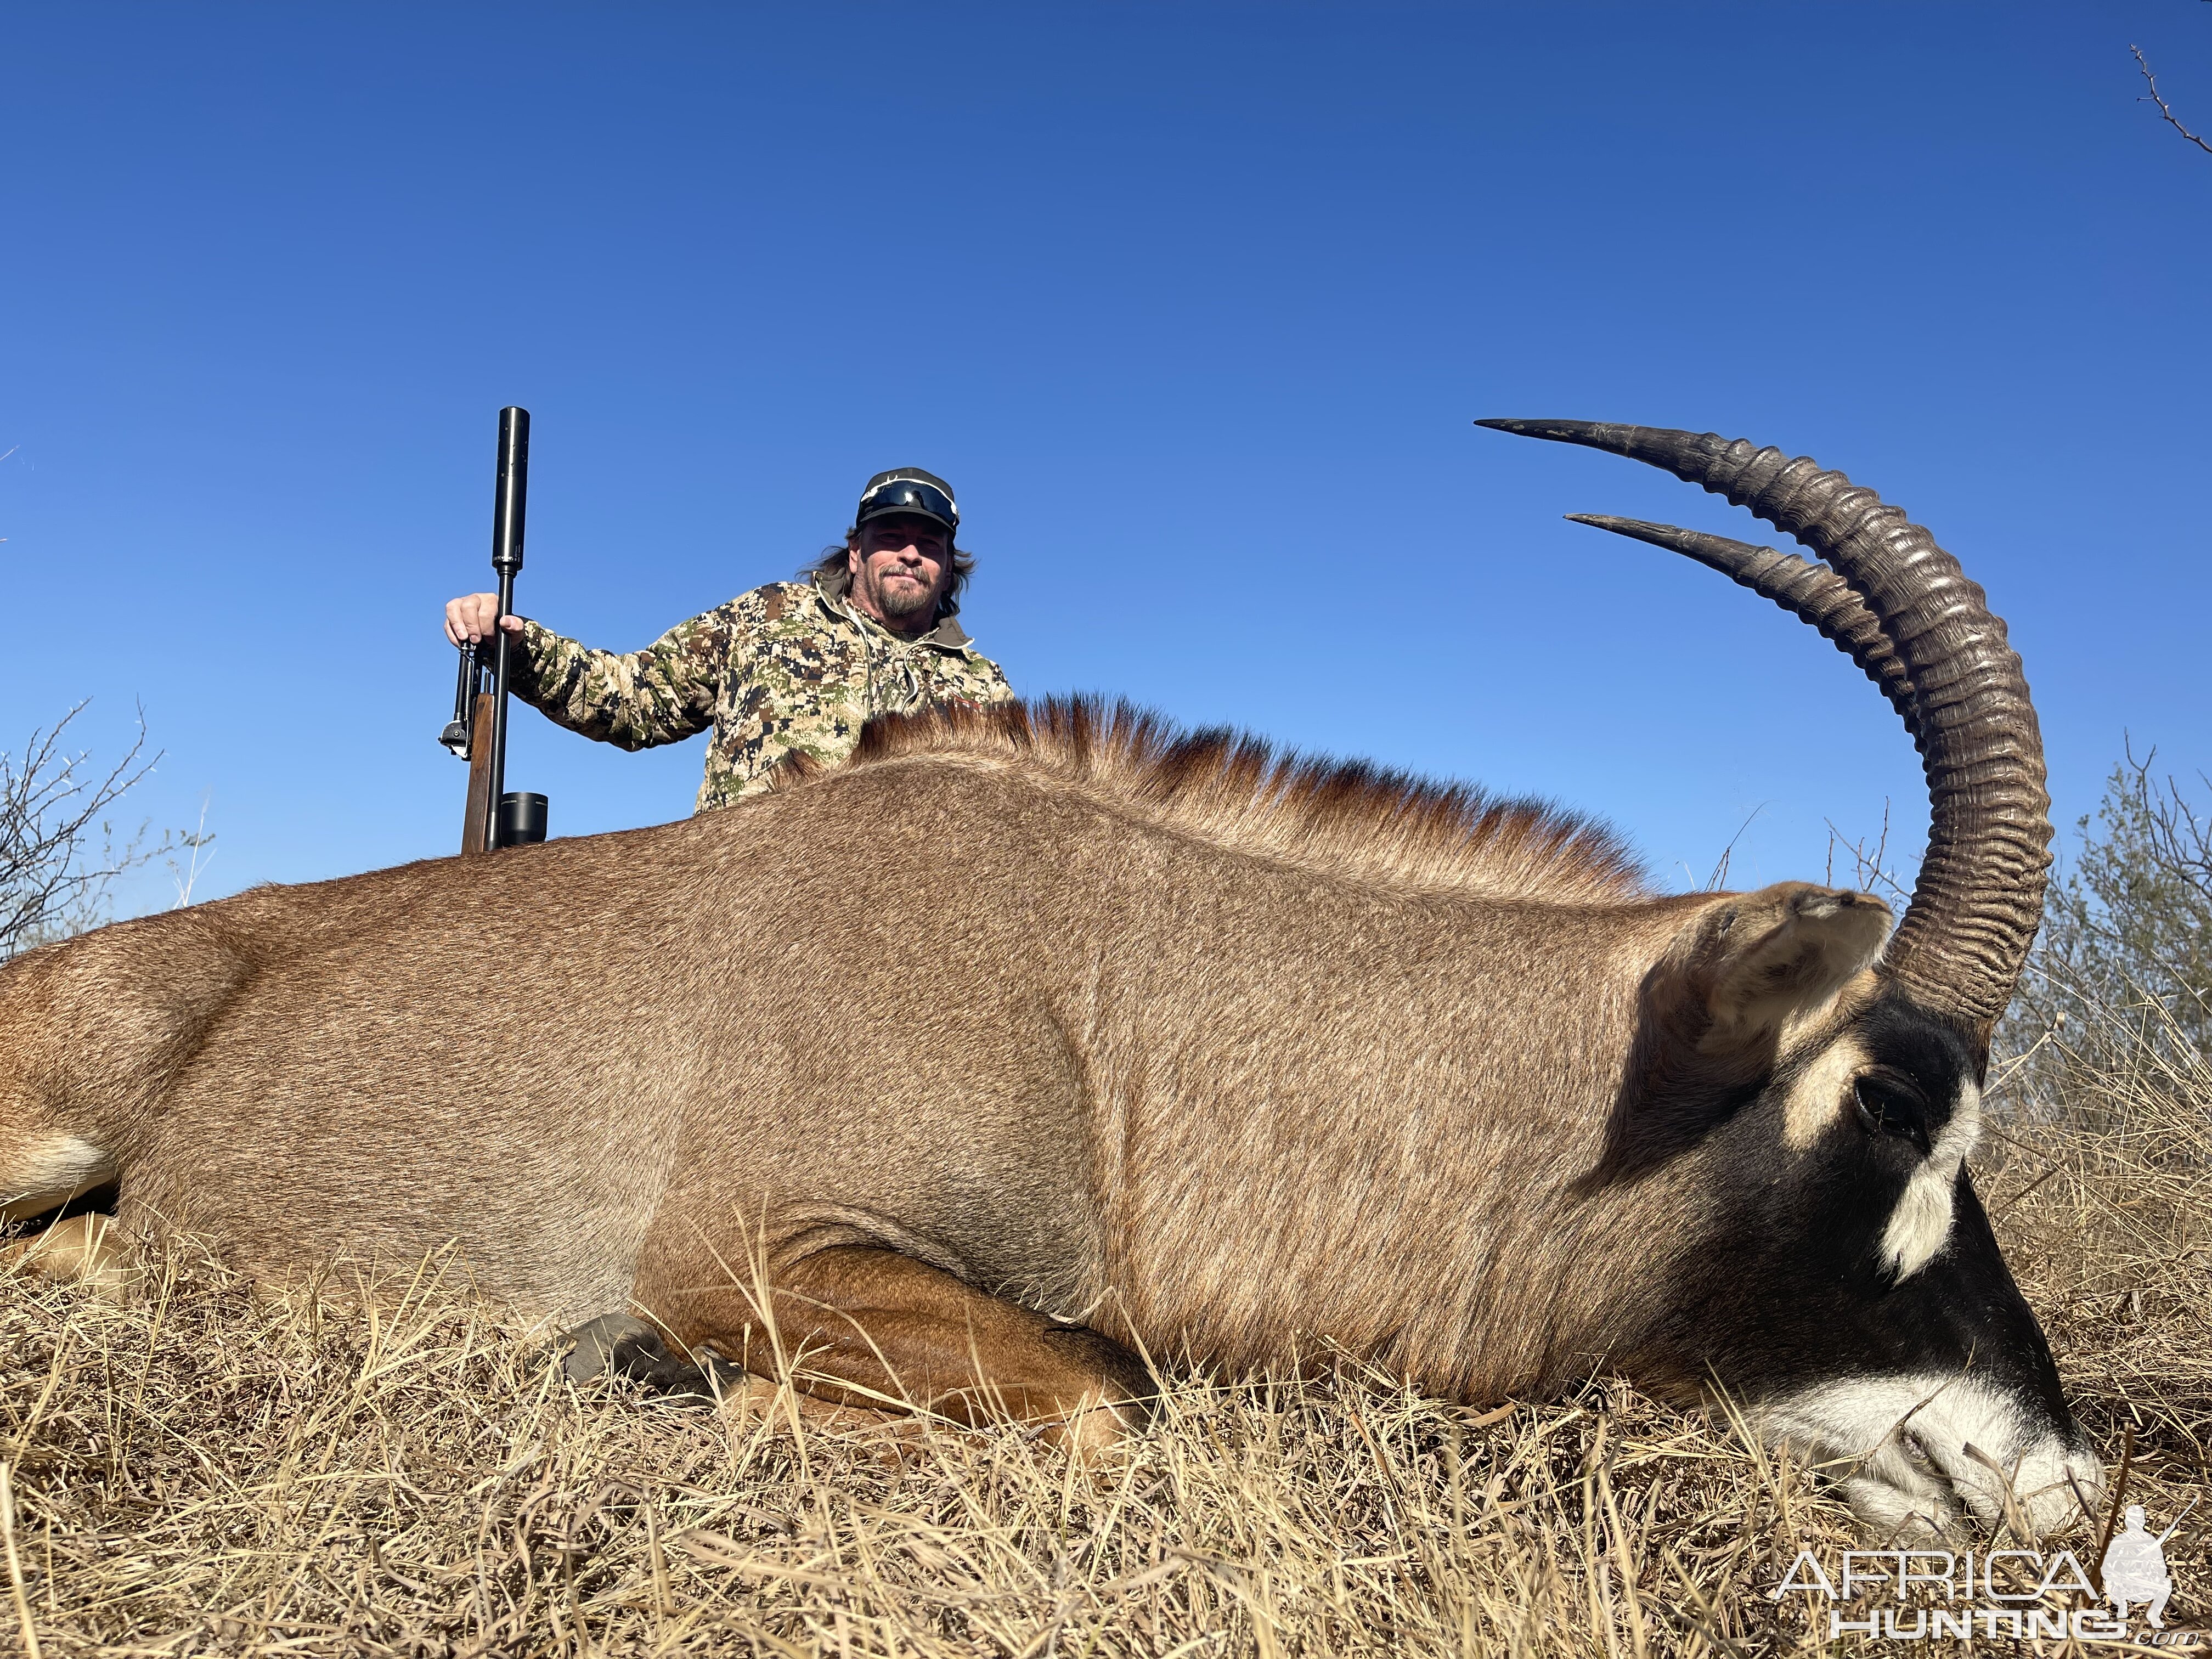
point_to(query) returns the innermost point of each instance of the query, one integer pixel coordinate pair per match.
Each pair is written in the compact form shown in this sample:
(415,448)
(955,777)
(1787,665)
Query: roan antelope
(1168,1045)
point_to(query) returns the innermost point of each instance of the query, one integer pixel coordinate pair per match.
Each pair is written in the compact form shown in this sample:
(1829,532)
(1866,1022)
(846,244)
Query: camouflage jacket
(789,667)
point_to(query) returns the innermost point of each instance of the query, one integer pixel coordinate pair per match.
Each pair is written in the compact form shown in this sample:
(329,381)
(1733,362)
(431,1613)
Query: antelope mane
(1351,818)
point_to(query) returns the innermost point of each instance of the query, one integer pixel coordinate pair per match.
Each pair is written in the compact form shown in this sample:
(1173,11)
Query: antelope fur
(1217,1080)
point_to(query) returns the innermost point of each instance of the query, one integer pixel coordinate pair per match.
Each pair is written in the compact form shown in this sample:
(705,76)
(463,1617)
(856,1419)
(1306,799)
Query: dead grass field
(205,1472)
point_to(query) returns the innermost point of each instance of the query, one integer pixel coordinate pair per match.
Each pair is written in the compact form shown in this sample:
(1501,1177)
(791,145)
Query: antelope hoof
(617,1344)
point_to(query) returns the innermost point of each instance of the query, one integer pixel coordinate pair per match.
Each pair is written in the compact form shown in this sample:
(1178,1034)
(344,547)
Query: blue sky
(1193,304)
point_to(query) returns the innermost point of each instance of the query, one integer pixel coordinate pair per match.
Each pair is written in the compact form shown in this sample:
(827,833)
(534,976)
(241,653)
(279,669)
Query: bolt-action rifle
(477,732)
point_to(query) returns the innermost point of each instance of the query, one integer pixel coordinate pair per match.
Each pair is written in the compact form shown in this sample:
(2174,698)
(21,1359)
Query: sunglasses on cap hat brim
(909,495)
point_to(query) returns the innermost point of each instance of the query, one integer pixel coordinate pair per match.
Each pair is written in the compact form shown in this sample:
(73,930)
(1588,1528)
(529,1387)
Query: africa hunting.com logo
(2005,1592)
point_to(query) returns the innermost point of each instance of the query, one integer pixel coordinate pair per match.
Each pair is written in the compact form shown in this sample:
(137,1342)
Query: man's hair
(832,563)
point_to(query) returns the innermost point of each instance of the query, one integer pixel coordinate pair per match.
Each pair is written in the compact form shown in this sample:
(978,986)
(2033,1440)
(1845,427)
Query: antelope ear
(1752,961)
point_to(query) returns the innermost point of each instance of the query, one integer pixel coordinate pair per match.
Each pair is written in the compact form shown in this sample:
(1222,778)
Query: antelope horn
(1975,907)
(1813,593)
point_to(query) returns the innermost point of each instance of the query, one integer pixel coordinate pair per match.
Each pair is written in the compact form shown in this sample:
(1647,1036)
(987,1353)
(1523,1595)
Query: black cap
(909,489)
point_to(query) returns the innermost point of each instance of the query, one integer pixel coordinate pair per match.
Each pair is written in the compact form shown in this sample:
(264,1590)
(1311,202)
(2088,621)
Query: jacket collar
(835,589)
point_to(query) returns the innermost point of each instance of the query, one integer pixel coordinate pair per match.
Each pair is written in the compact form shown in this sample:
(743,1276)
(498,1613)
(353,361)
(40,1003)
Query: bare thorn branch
(2165,109)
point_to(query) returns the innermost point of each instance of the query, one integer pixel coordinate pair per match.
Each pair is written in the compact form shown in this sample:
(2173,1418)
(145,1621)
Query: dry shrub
(2101,1183)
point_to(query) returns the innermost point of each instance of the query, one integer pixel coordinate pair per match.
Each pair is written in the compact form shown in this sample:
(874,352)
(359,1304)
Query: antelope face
(1841,1279)
(1887,1339)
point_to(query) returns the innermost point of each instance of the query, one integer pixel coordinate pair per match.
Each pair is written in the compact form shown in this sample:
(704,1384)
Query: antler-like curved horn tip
(1685,454)
(1570,431)
(1698,544)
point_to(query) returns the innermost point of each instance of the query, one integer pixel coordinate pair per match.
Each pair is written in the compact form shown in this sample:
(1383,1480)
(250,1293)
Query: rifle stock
(477,821)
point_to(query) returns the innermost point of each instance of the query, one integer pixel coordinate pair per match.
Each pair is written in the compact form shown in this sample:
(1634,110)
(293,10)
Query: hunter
(792,667)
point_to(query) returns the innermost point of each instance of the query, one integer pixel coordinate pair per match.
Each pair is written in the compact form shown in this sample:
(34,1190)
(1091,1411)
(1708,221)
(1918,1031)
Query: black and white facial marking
(1851,1288)
(1906,1085)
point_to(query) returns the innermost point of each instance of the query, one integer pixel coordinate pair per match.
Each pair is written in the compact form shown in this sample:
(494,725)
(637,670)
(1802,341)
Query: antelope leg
(868,1327)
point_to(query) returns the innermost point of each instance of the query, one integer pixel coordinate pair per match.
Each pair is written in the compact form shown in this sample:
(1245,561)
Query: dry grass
(202,1472)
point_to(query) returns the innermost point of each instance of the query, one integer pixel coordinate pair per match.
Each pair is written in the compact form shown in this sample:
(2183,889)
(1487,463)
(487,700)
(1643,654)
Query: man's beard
(904,601)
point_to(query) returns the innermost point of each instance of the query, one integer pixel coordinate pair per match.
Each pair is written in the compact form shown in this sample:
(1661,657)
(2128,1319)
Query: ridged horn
(1812,592)
(1974,911)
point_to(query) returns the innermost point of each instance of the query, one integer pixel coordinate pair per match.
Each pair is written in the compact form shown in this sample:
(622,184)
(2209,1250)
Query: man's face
(899,568)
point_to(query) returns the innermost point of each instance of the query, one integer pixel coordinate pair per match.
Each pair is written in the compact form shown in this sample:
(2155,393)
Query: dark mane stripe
(1351,817)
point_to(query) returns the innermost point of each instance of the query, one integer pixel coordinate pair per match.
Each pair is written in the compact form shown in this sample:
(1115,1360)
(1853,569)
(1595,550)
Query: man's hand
(469,618)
